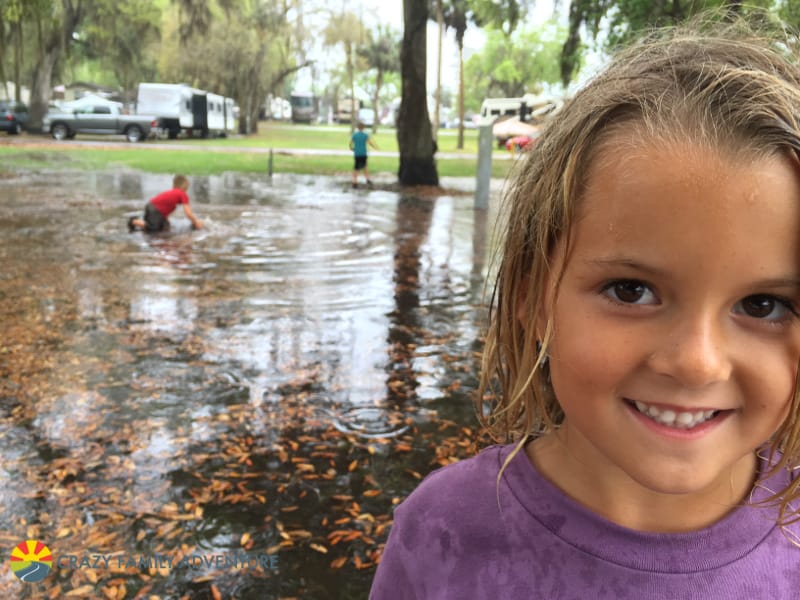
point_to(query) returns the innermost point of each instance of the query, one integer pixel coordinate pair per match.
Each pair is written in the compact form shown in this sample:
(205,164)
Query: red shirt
(166,202)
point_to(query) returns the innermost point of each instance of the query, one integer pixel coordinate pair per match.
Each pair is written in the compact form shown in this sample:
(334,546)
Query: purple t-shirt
(460,535)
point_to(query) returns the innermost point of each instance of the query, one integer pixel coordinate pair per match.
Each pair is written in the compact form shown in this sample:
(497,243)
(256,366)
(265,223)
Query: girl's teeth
(670,418)
(667,417)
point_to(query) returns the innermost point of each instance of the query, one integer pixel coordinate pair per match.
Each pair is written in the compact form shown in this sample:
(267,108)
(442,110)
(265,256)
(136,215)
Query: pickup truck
(106,118)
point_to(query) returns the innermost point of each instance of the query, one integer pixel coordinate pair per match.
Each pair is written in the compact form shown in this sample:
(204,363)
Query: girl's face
(676,329)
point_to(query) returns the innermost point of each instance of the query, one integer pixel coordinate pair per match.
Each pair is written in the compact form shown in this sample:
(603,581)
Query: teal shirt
(360,143)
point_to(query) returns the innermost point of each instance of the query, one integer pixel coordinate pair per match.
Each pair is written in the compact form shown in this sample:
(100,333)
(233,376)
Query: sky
(374,12)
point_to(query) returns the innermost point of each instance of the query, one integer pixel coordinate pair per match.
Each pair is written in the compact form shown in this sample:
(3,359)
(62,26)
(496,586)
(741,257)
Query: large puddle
(268,387)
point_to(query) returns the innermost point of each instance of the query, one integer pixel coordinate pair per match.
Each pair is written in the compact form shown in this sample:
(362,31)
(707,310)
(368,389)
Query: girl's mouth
(675,419)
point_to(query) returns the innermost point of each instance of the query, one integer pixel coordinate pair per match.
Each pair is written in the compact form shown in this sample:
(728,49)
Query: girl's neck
(610,493)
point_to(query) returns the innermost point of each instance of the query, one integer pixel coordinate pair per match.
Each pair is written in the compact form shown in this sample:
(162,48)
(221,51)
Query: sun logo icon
(31,561)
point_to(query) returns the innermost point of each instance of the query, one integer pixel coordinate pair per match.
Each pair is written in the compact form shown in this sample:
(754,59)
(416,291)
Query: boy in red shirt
(158,209)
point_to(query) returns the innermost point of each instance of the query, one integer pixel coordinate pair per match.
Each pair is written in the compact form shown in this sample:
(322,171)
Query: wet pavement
(267,388)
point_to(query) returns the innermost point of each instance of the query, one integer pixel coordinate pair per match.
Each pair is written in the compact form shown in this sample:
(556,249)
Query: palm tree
(456,17)
(346,28)
(439,10)
(381,54)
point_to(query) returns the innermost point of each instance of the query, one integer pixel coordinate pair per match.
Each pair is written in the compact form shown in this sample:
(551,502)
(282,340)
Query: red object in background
(519,142)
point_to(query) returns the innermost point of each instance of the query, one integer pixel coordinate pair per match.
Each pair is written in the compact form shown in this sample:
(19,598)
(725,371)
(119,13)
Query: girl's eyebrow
(780,282)
(629,263)
(621,261)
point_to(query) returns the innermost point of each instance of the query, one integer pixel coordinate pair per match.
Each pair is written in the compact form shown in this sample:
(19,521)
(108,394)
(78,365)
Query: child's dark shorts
(361,162)
(154,220)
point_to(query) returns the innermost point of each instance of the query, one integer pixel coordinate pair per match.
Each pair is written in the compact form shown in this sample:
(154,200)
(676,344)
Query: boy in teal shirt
(358,144)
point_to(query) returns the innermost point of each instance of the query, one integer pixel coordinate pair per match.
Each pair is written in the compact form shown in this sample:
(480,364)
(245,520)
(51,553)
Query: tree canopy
(510,66)
(622,20)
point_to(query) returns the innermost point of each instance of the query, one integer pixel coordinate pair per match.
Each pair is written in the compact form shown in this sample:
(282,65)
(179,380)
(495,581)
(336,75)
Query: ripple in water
(371,422)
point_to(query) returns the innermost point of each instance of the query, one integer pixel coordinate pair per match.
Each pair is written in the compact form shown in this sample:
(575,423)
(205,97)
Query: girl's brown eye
(629,291)
(759,307)
(768,308)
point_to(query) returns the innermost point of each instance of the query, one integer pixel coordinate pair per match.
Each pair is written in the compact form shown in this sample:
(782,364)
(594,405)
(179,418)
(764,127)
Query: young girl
(645,335)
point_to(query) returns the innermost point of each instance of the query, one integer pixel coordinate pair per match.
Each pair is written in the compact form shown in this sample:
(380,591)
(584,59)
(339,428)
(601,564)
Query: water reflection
(142,375)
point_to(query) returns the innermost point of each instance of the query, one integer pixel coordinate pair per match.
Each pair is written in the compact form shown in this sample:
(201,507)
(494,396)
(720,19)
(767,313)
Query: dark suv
(13,116)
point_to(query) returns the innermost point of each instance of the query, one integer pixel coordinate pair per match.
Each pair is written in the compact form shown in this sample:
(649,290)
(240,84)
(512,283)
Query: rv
(528,107)
(181,108)
(344,109)
(175,105)
(221,115)
(304,107)
(231,116)
(500,107)
(215,111)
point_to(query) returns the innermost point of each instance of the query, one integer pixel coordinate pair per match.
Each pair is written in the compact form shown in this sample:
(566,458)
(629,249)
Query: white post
(484,172)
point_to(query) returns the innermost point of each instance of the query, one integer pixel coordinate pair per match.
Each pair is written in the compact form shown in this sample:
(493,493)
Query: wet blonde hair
(719,83)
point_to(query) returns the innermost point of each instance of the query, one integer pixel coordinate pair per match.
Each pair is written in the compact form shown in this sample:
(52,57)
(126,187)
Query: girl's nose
(694,353)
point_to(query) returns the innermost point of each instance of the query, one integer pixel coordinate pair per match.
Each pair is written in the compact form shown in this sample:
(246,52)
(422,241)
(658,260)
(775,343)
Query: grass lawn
(221,155)
(336,137)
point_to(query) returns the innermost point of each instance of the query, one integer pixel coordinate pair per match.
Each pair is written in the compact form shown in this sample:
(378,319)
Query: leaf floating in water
(319,548)
(84,591)
(413,473)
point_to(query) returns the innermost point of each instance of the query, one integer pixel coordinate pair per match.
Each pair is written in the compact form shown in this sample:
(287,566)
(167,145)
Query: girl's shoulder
(470,483)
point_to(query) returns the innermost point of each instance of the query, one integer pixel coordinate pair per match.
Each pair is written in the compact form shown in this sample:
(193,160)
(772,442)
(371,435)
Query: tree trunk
(569,52)
(351,76)
(40,90)
(417,166)
(52,44)
(18,63)
(461,95)
(378,85)
(3,43)
(438,100)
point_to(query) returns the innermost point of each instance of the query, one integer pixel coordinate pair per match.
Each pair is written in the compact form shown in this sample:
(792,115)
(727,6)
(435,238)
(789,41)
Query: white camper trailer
(179,107)
(231,116)
(216,114)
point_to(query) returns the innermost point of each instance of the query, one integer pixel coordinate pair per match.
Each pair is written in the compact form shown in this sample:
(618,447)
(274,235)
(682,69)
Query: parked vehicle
(344,109)
(528,108)
(366,116)
(174,104)
(13,116)
(453,123)
(215,113)
(499,107)
(231,116)
(181,108)
(304,107)
(106,118)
